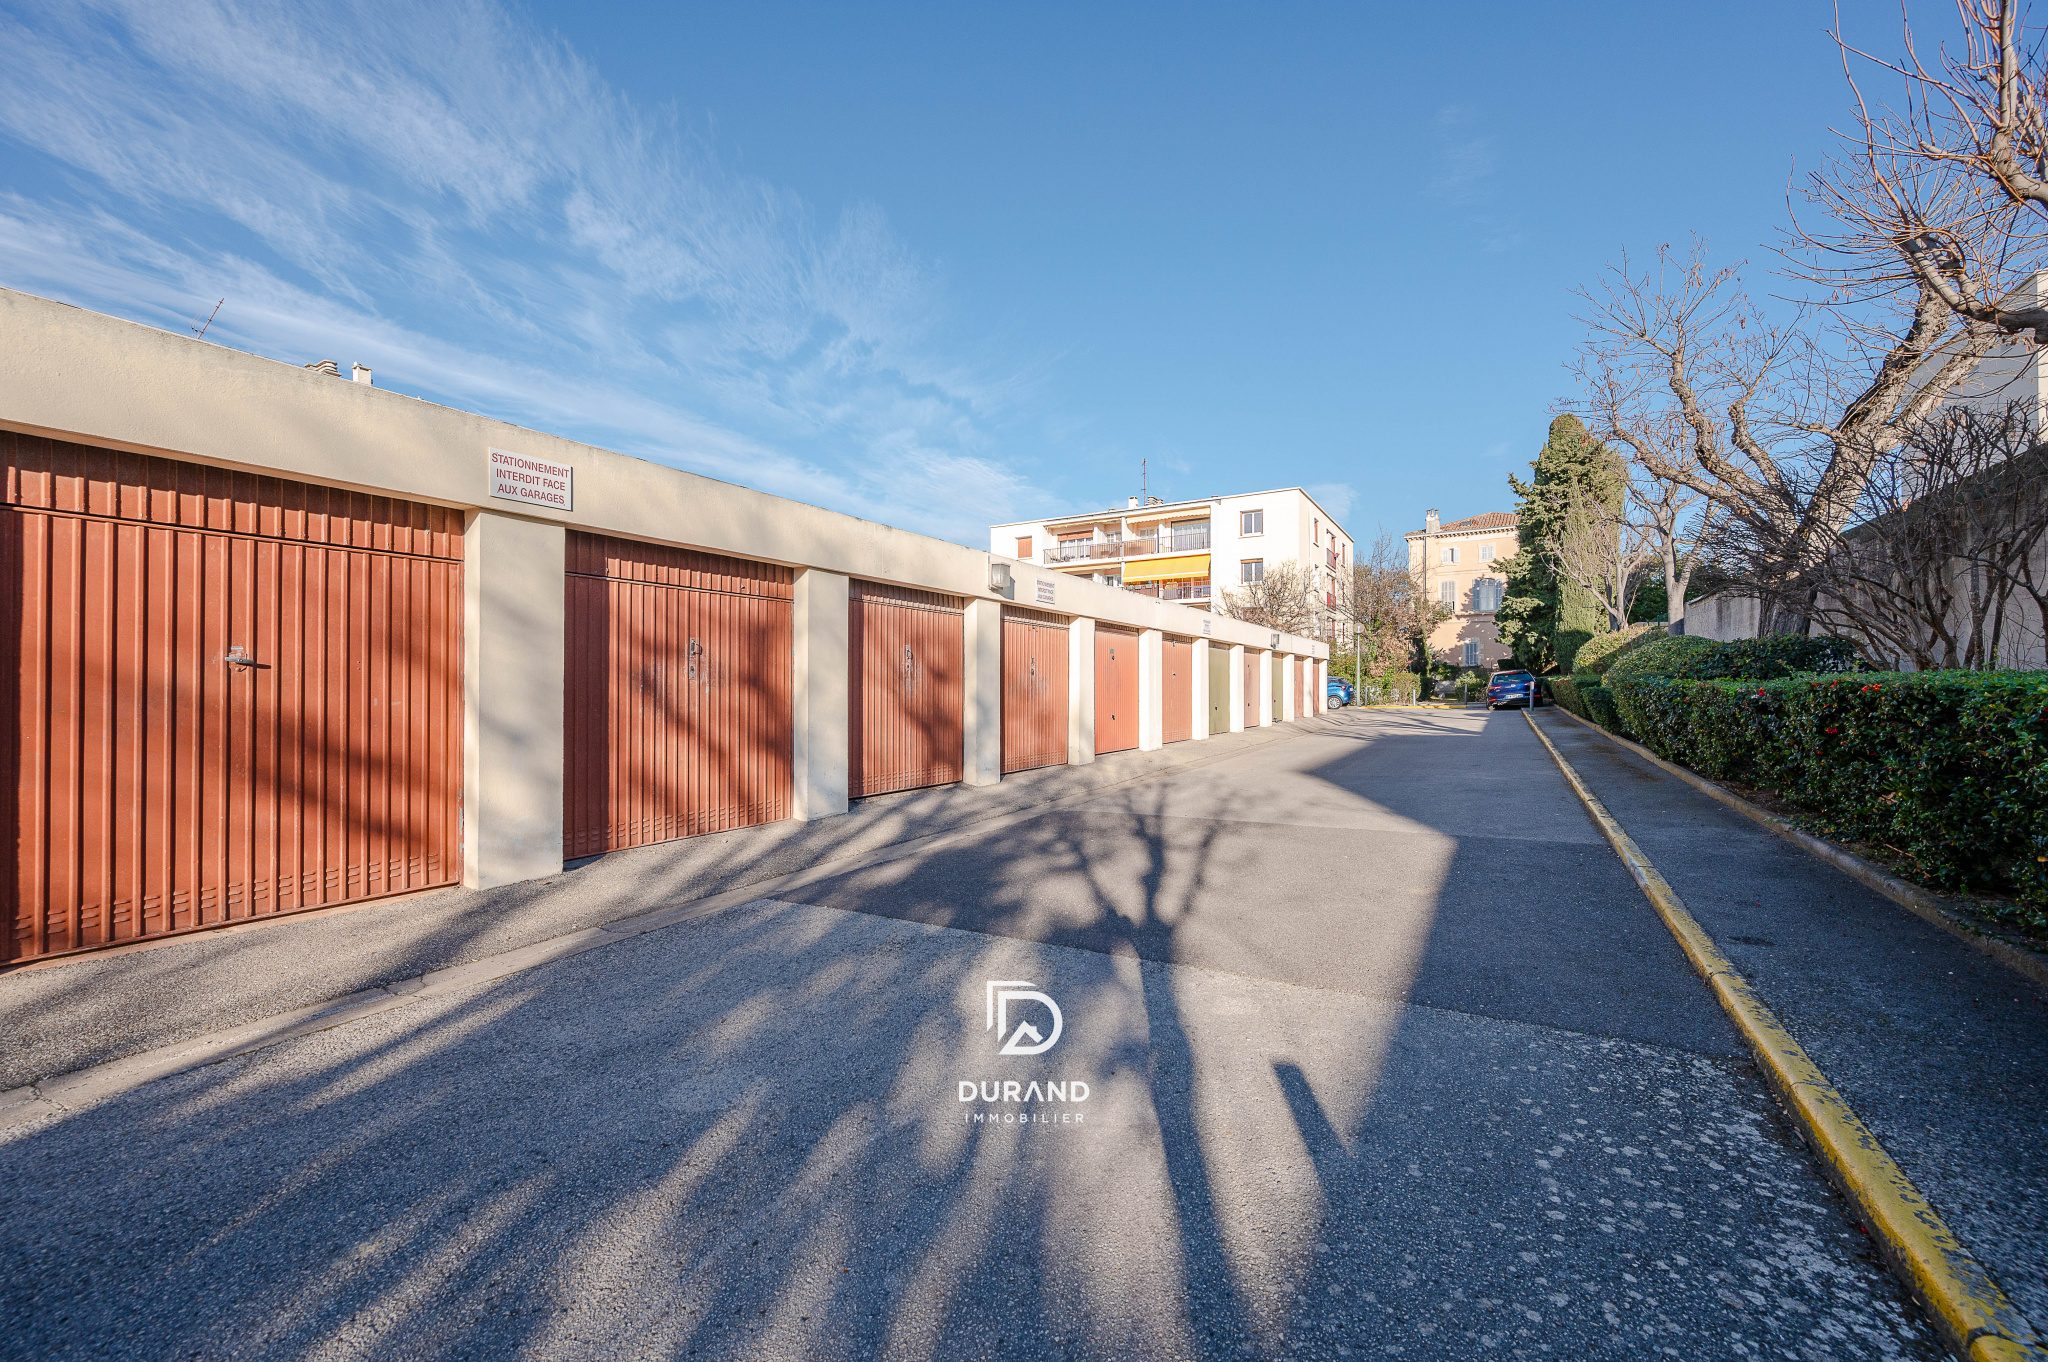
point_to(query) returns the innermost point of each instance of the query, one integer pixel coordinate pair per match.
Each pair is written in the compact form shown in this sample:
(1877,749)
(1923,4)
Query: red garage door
(1034,690)
(1116,690)
(908,655)
(676,694)
(233,696)
(1177,697)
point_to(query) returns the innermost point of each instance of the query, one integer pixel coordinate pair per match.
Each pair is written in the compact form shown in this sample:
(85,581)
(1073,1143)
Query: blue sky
(939,265)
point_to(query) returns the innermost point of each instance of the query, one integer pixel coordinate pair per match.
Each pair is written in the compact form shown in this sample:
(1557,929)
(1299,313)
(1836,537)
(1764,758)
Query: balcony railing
(1083,550)
(1171,591)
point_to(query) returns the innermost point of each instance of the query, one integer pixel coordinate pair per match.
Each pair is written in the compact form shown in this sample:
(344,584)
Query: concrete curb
(1976,1319)
(1922,903)
(69,1091)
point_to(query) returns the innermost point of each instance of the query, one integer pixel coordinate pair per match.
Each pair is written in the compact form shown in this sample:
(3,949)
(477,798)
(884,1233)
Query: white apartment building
(1190,551)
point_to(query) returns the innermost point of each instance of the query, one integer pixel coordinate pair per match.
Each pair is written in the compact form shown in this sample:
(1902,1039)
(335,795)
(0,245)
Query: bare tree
(1957,172)
(1665,511)
(1283,599)
(1945,567)
(1778,427)
(1380,608)
(1603,552)
(1674,518)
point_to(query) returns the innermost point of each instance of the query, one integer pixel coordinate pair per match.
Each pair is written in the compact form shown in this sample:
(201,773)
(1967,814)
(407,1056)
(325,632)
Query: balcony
(1171,591)
(1189,539)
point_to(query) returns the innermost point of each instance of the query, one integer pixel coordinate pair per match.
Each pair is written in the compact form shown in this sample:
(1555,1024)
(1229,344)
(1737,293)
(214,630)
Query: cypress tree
(1543,618)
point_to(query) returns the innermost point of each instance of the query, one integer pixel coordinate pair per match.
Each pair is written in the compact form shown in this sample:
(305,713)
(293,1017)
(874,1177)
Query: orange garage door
(676,694)
(908,659)
(233,695)
(1177,698)
(1034,690)
(1116,690)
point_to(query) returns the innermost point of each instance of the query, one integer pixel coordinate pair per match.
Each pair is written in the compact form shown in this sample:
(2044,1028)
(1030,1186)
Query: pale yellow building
(1458,565)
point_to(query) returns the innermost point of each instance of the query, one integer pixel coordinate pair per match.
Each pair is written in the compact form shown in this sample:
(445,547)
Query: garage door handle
(238,656)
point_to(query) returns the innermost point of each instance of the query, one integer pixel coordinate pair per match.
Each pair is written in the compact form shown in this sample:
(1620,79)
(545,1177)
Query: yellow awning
(1168,569)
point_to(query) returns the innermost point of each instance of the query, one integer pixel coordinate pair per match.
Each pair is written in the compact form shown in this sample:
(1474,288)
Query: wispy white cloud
(1335,497)
(458,199)
(1465,156)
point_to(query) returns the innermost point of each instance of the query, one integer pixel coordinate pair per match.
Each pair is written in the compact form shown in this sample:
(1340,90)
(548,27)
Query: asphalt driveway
(1382,1051)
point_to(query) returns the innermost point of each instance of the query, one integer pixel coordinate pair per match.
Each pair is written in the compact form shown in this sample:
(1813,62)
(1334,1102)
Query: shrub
(1949,770)
(1661,657)
(1569,692)
(1390,688)
(1600,708)
(1596,656)
(1583,695)
(1702,659)
(1784,655)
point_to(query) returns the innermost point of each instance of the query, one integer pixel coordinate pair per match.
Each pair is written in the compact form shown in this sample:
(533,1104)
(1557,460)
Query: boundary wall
(74,375)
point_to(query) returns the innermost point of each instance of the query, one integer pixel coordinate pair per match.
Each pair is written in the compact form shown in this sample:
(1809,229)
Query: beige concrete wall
(820,687)
(1236,673)
(514,608)
(1199,729)
(76,374)
(1081,692)
(982,701)
(1151,690)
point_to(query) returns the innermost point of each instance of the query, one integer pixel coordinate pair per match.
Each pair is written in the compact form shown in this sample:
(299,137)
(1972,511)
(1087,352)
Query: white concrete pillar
(514,617)
(982,699)
(1151,690)
(1237,687)
(819,694)
(1290,688)
(1319,686)
(1265,680)
(1080,692)
(1199,690)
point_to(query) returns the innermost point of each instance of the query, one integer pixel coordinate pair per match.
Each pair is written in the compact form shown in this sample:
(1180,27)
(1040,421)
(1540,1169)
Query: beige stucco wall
(71,373)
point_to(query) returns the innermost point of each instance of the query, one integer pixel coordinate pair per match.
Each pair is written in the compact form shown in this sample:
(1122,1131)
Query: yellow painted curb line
(1978,1321)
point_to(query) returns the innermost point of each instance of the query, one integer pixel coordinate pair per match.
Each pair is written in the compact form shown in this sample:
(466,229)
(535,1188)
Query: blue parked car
(1339,691)
(1513,688)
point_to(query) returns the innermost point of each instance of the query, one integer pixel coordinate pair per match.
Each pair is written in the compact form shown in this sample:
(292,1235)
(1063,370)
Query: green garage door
(1219,688)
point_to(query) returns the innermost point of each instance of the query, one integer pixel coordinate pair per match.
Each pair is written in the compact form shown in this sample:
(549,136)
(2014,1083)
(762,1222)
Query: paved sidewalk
(1941,1050)
(65,1016)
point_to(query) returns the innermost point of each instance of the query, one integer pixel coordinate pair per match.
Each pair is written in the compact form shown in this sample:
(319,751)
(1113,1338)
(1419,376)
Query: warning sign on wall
(518,477)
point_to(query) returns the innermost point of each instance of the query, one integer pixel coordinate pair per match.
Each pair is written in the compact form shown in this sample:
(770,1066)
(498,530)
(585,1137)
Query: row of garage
(240,695)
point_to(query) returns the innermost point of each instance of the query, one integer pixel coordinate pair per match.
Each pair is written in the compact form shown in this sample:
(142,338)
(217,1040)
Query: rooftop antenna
(1144,482)
(199,331)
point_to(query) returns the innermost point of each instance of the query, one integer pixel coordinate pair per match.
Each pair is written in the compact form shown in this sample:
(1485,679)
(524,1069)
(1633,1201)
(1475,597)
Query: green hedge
(1703,659)
(1597,654)
(1567,691)
(1947,769)
(1662,657)
(1583,695)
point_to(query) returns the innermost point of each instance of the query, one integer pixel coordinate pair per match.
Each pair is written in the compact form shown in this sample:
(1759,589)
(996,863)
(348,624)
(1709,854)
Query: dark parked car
(1508,689)
(1339,691)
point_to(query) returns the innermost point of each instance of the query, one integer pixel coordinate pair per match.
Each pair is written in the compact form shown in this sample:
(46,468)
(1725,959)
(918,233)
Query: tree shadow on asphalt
(732,1138)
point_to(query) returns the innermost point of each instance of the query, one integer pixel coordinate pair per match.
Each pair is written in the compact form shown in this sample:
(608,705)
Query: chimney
(326,366)
(360,372)
(1130,503)
(1429,522)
